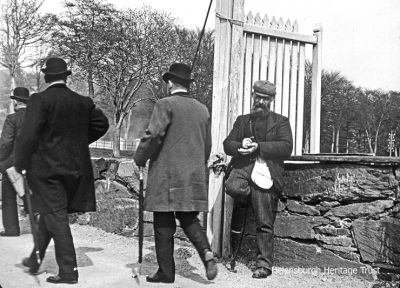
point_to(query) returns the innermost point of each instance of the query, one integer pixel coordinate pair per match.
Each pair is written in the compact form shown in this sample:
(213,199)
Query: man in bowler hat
(268,135)
(12,126)
(53,148)
(178,144)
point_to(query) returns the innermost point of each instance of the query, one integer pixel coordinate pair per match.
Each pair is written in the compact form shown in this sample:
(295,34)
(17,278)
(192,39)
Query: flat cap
(264,88)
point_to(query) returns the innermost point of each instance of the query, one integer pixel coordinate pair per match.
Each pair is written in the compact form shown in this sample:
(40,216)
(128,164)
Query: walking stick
(32,220)
(141,200)
(136,270)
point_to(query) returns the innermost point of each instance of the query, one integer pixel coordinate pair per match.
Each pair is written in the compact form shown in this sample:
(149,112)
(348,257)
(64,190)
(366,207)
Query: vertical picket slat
(279,71)
(256,52)
(273,44)
(248,68)
(293,113)
(300,101)
(286,74)
(264,52)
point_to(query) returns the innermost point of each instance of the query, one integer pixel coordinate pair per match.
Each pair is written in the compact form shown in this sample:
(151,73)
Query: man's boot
(210,264)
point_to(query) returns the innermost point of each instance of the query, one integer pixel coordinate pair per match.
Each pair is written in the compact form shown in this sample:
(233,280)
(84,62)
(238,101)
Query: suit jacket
(178,144)
(277,147)
(53,147)
(11,128)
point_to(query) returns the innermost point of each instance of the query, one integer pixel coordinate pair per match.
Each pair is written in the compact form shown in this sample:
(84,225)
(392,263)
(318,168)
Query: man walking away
(178,144)
(53,148)
(12,126)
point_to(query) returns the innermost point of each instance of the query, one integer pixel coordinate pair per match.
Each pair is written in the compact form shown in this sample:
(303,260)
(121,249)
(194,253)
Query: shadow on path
(182,266)
(49,264)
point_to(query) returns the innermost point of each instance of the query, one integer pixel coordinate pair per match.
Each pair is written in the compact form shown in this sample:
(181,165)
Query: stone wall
(329,215)
(342,214)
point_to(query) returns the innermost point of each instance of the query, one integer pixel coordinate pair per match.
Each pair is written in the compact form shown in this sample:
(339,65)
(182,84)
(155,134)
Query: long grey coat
(178,144)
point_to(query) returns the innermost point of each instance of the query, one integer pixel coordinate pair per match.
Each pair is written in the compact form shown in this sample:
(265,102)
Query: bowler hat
(20,94)
(56,66)
(264,88)
(180,71)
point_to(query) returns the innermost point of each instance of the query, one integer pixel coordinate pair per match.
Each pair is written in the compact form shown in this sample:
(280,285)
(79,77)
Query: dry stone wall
(346,212)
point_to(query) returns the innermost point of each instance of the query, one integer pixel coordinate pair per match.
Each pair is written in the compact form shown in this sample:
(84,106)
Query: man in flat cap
(267,136)
(12,126)
(178,144)
(53,148)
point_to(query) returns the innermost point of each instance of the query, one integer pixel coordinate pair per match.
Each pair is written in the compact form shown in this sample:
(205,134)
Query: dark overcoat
(53,147)
(178,144)
(12,126)
(276,148)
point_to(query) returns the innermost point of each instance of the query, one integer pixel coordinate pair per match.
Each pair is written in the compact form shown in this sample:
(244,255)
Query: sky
(361,38)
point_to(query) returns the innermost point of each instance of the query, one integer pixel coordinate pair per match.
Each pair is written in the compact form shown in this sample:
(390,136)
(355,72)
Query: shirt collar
(179,91)
(56,82)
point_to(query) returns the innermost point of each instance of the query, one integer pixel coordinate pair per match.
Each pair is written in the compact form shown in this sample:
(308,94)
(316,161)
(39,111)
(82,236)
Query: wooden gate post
(226,97)
(316,92)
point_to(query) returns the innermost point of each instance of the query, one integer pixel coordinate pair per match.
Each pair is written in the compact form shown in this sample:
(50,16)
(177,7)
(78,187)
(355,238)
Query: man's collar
(56,82)
(179,91)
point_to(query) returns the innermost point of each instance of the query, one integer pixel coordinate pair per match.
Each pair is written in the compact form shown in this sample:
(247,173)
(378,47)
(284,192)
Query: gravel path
(106,260)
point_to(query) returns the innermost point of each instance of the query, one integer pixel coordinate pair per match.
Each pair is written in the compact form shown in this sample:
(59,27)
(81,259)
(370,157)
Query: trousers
(164,229)
(264,204)
(55,226)
(9,207)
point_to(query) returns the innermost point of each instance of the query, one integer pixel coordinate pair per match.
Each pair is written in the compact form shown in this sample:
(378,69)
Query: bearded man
(267,135)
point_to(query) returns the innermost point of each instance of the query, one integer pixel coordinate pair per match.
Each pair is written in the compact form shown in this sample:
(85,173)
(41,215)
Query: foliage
(353,120)
(83,35)
(202,72)
(21,27)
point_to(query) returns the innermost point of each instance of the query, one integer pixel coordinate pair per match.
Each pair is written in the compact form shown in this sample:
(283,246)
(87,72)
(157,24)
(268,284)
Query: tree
(204,65)
(337,110)
(139,48)
(21,27)
(82,34)
(337,102)
(373,112)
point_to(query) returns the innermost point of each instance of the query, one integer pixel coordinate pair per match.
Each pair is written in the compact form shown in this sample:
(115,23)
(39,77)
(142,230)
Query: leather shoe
(33,268)
(5,234)
(210,264)
(158,278)
(58,280)
(261,272)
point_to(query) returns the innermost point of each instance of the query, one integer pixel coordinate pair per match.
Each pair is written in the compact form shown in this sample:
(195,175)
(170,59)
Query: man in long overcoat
(12,126)
(178,144)
(267,135)
(53,147)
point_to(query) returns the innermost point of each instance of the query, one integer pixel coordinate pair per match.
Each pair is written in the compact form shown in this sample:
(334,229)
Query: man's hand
(252,147)
(246,142)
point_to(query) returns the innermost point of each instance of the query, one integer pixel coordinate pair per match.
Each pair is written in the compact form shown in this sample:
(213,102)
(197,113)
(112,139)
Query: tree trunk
(127,125)
(333,140)
(90,82)
(12,87)
(376,143)
(337,139)
(117,136)
(37,82)
(116,142)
